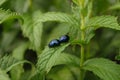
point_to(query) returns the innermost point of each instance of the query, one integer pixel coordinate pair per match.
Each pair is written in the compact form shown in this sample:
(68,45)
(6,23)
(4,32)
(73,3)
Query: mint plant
(73,56)
(86,25)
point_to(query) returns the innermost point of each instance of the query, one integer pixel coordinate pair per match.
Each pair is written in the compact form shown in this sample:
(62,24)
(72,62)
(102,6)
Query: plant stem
(82,54)
(81,63)
(82,38)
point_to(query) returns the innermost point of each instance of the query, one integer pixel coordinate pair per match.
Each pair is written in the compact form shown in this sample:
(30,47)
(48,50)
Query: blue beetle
(54,43)
(64,38)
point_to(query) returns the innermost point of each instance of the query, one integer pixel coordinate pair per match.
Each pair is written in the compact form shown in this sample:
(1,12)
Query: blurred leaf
(37,76)
(115,41)
(89,34)
(33,30)
(68,59)
(100,6)
(76,11)
(76,2)
(117,57)
(20,6)
(2,1)
(63,73)
(7,39)
(18,52)
(91,76)
(104,21)
(48,58)
(7,15)
(16,72)
(56,16)
(8,62)
(104,68)
(115,6)
(3,75)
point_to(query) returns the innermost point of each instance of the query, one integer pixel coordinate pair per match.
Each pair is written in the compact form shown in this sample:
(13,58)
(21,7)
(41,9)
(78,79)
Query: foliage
(103,68)
(27,27)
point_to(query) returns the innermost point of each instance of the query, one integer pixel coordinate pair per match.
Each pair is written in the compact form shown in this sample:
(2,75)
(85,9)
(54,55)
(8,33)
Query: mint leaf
(75,1)
(56,16)
(103,21)
(3,75)
(68,59)
(48,58)
(2,1)
(103,68)
(8,62)
(20,6)
(7,15)
(33,30)
(115,7)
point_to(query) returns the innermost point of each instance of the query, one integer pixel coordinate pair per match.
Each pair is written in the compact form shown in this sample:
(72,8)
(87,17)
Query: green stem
(84,18)
(82,58)
(81,63)
(82,53)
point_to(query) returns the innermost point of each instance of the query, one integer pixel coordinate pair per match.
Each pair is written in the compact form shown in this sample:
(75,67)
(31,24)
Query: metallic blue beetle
(54,43)
(64,38)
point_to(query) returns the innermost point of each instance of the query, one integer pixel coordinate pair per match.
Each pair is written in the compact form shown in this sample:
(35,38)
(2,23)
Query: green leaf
(37,76)
(103,21)
(57,74)
(58,31)
(16,72)
(48,58)
(117,57)
(3,75)
(56,16)
(20,6)
(89,34)
(114,7)
(68,59)
(75,1)
(103,68)
(8,62)
(19,51)
(33,30)
(7,15)
(7,39)
(2,1)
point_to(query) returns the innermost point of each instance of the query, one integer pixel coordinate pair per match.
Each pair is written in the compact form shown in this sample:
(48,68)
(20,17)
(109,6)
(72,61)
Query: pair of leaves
(104,68)
(49,56)
(33,27)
